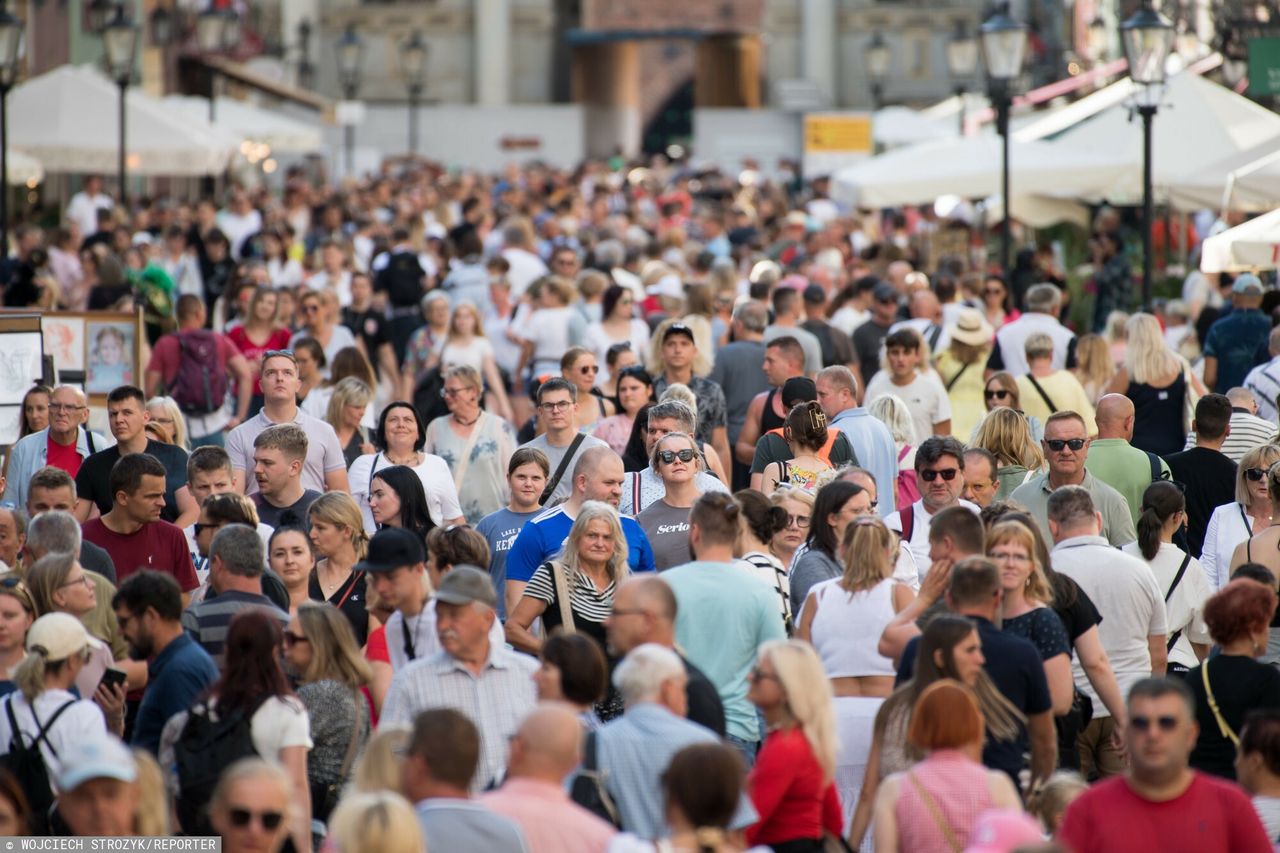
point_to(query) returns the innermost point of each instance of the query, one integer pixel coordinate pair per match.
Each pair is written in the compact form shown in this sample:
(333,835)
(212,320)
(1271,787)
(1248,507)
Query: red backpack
(907,489)
(200,385)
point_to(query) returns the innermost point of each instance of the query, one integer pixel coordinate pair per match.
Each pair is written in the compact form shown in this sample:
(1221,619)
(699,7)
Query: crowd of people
(642,510)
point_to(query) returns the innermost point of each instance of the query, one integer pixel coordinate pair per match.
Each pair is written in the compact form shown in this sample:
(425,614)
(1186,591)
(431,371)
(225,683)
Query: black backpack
(26,763)
(402,279)
(205,748)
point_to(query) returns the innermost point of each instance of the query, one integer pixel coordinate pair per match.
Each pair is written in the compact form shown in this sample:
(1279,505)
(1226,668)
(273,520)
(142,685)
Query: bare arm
(745,448)
(243,374)
(381,683)
(84,508)
(188,509)
(336,481)
(867,795)
(155,382)
(1159,654)
(1119,383)
(720,441)
(1210,371)
(519,622)
(942,427)
(387,362)
(1044,746)
(770,476)
(886,816)
(513,593)
(807,611)
(1057,671)
(499,393)
(902,628)
(294,761)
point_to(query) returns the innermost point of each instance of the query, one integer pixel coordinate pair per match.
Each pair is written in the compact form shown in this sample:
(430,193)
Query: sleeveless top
(955,789)
(804,478)
(769,420)
(1157,424)
(847,628)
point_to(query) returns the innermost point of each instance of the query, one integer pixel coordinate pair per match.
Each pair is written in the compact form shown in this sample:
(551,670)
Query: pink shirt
(960,791)
(551,822)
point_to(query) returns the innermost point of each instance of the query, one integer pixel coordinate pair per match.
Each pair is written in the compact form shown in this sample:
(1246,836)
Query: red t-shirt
(279,339)
(64,456)
(159,546)
(1211,816)
(788,792)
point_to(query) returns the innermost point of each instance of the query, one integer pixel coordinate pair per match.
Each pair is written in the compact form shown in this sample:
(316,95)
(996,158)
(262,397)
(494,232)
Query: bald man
(1246,430)
(1116,462)
(926,318)
(545,750)
(64,444)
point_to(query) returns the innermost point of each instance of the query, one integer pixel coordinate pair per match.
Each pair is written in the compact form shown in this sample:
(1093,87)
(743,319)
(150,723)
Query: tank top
(847,628)
(769,420)
(1157,424)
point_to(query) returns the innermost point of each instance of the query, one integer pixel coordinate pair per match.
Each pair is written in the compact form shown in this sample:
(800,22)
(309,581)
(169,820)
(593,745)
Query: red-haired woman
(1231,683)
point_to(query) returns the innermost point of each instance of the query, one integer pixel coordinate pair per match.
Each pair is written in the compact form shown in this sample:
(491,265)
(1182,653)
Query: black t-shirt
(866,345)
(93,481)
(837,347)
(349,598)
(1239,685)
(294,515)
(369,326)
(1210,478)
(704,705)
(1074,608)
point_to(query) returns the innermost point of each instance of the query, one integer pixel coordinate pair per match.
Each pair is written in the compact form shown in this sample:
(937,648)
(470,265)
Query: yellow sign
(837,133)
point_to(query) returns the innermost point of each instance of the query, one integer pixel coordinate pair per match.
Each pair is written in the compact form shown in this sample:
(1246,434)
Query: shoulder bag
(588,789)
(1041,392)
(1223,727)
(939,819)
(329,794)
(1177,579)
(560,578)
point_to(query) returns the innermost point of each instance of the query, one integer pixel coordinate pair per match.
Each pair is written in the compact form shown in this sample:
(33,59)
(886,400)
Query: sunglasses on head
(1165,723)
(1056,444)
(947,474)
(999,394)
(1255,474)
(240,818)
(669,456)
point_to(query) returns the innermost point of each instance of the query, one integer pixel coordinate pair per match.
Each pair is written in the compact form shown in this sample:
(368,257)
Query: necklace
(460,422)
(412,460)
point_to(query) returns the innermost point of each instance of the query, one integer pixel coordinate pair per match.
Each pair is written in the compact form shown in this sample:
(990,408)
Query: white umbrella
(895,126)
(23,169)
(69,119)
(249,122)
(1254,245)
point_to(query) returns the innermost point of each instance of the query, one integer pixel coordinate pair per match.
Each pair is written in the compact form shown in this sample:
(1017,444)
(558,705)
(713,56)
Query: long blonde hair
(808,697)
(153,798)
(867,546)
(341,510)
(598,511)
(1094,364)
(1262,456)
(893,413)
(349,391)
(1147,357)
(1006,434)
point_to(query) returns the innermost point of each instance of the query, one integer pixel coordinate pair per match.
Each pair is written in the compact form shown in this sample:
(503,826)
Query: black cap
(392,548)
(884,292)
(815,295)
(798,389)
(678,329)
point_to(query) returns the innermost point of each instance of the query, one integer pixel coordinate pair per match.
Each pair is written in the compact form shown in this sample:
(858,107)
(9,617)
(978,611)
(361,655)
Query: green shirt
(1124,468)
(1117,524)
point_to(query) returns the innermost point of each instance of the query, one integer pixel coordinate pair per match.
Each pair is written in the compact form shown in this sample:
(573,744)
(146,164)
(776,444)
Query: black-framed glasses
(801,521)
(669,456)
(1057,444)
(947,474)
(999,394)
(448,393)
(83,580)
(292,639)
(561,406)
(1255,474)
(240,818)
(1166,723)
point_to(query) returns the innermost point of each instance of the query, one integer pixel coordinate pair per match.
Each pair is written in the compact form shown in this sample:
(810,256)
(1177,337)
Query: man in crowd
(837,347)
(527,473)
(279,456)
(920,389)
(644,611)
(64,444)
(722,616)
(1066,447)
(561,441)
(1264,381)
(52,490)
(325,469)
(1134,623)
(980,485)
(1233,342)
(209,473)
(1247,429)
(1208,475)
(235,573)
(640,489)
(132,531)
(98,789)
(679,351)
(788,312)
(869,438)
(492,685)
(127,416)
(1044,303)
(148,608)
(940,472)
(1116,462)
(439,765)
(773,446)
(783,360)
(83,207)
(737,372)
(868,336)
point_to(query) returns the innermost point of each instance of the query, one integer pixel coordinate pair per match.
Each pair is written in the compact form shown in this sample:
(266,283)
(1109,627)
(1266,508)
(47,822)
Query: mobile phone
(112,677)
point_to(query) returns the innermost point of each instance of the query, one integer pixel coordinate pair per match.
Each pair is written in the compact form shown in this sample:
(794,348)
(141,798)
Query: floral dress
(479,472)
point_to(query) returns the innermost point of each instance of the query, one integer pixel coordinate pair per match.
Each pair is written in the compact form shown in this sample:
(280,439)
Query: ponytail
(1160,502)
(29,676)
(1149,526)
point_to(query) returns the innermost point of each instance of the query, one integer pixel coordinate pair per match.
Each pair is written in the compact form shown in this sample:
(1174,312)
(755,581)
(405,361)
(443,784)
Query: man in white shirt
(84,205)
(526,266)
(239,220)
(1043,304)
(1264,381)
(911,380)
(940,472)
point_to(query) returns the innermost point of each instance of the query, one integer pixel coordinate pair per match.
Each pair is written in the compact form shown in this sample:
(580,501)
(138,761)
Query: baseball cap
(1247,284)
(884,292)
(57,636)
(466,584)
(815,295)
(390,549)
(798,389)
(678,329)
(98,757)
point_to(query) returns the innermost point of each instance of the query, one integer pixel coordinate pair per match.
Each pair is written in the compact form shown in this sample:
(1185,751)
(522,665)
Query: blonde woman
(1001,391)
(1025,606)
(894,414)
(791,783)
(681,392)
(798,505)
(347,408)
(349,362)
(320,313)
(1160,384)
(378,822)
(676,461)
(465,345)
(1094,366)
(165,411)
(379,768)
(339,541)
(1235,522)
(153,798)
(1007,436)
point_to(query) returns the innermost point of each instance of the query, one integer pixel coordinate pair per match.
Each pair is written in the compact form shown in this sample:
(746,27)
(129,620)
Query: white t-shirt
(83,209)
(279,723)
(598,341)
(552,331)
(339,339)
(437,482)
(470,355)
(925,396)
(339,285)
(81,721)
(1185,608)
(239,228)
(317,405)
(918,545)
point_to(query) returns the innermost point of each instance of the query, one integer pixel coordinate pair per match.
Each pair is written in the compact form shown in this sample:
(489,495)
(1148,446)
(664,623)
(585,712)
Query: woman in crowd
(320,311)
(290,556)
(283,270)
(893,413)
(677,463)
(252,808)
(619,324)
(1025,606)
(635,457)
(791,783)
(348,407)
(838,503)
(321,652)
(1158,382)
(467,346)
(997,306)
(617,359)
(334,275)
(1006,434)
(798,505)
(425,343)
(165,411)
(702,789)
(339,541)
(761,522)
(805,431)
(551,329)
(396,499)
(682,393)
(17,613)
(843,618)
(573,670)
(1233,682)
(1258,765)
(313,367)
(35,410)
(153,798)
(1233,523)
(402,437)
(381,766)
(1095,368)
(634,392)
(579,367)
(378,822)
(935,804)
(347,362)
(1001,392)
(475,444)
(960,368)
(1178,575)
(59,584)
(260,332)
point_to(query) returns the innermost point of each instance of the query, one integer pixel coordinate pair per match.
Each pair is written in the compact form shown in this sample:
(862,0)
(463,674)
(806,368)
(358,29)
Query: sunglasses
(947,474)
(995,395)
(198,528)
(292,639)
(669,456)
(591,368)
(1142,724)
(240,818)
(1056,444)
(1255,474)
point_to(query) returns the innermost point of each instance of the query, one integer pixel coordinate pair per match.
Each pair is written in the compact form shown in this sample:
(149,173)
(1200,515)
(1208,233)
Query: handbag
(561,580)
(1223,726)
(588,789)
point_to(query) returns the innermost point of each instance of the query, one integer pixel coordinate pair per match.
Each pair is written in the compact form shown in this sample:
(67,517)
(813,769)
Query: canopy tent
(70,121)
(1249,180)
(249,122)
(896,126)
(23,169)
(1254,245)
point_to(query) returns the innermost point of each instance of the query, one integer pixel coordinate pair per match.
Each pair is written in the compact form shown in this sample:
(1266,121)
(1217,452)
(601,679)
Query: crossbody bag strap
(1213,706)
(1177,579)
(464,460)
(954,379)
(934,812)
(1041,392)
(561,468)
(562,595)
(373,469)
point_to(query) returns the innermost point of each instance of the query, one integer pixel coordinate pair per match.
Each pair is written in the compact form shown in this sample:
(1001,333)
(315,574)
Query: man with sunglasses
(1116,462)
(940,471)
(1066,447)
(1160,803)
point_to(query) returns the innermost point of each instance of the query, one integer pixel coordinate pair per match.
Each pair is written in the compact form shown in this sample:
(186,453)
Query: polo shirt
(1117,522)
(549,819)
(93,480)
(874,449)
(324,453)
(1234,341)
(1126,469)
(175,677)
(545,536)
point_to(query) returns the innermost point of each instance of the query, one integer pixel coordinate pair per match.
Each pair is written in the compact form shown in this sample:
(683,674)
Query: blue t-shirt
(1236,341)
(175,679)
(544,537)
(500,529)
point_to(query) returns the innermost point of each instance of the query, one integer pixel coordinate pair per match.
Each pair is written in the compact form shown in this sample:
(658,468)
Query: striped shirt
(208,621)
(1264,382)
(588,603)
(1247,432)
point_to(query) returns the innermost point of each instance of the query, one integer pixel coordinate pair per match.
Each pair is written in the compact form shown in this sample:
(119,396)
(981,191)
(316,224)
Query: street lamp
(230,30)
(306,71)
(1147,37)
(209,26)
(11,31)
(879,58)
(350,55)
(120,38)
(160,23)
(100,13)
(413,61)
(962,62)
(1004,41)
(1097,39)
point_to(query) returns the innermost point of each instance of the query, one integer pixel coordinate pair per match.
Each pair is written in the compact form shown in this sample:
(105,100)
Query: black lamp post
(120,38)
(306,71)
(350,56)
(1147,38)
(879,58)
(211,27)
(100,14)
(11,31)
(1004,41)
(160,24)
(413,60)
(962,62)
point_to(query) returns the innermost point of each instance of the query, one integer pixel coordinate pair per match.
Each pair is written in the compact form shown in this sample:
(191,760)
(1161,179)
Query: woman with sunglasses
(1233,523)
(578,366)
(997,307)
(17,613)
(1006,435)
(475,444)
(252,807)
(618,324)
(320,312)
(1001,391)
(634,391)
(677,462)
(787,540)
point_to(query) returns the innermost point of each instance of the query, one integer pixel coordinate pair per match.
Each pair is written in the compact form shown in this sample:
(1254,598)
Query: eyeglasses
(452,392)
(65,407)
(292,639)
(198,528)
(83,579)
(560,406)
(240,818)
(669,456)
(1254,474)
(1165,723)
(590,368)
(947,474)
(1056,444)
(996,395)
(801,521)
(758,674)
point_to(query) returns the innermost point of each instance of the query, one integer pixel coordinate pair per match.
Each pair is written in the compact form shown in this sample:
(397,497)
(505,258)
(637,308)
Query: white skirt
(855,722)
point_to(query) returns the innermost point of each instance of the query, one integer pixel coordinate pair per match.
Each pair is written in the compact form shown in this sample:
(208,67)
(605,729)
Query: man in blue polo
(1238,341)
(597,476)
(872,443)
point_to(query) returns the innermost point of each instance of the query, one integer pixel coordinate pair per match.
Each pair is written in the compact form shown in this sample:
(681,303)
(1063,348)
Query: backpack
(907,486)
(26,763)
(402,278)
(200,385)
(588,787)
(203,751)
